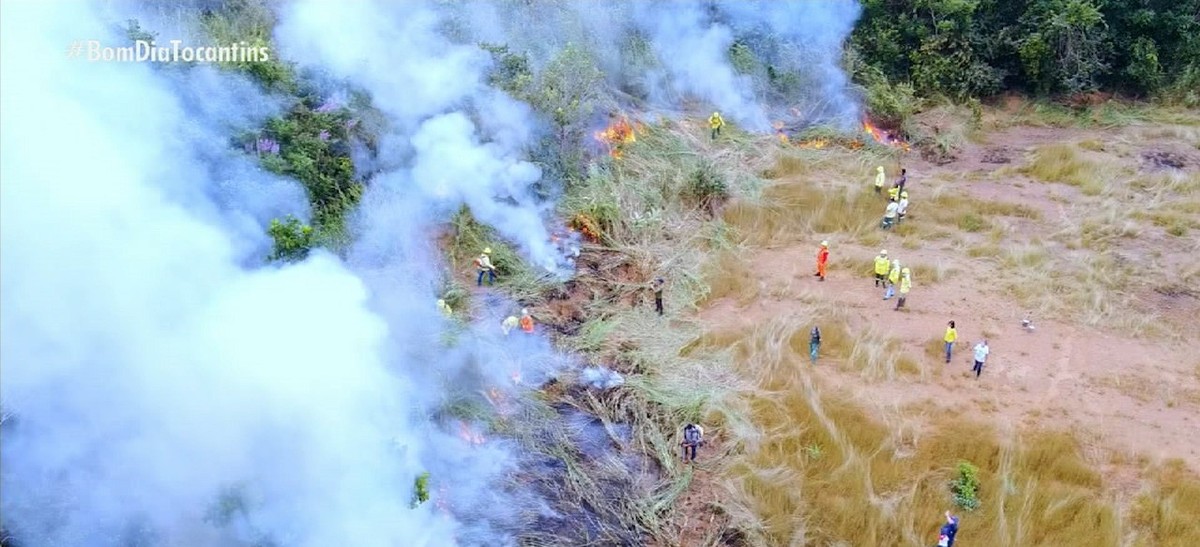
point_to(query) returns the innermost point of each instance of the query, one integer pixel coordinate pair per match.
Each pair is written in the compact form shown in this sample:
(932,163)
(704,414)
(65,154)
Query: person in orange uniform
(822,260)
(526,321)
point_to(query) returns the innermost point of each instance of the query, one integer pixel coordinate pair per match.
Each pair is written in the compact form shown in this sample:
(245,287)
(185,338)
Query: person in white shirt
(889,217)
(981,353)
(902,207)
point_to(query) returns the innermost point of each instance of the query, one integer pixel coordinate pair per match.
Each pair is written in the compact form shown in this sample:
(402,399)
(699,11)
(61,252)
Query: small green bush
(966,487)
(293,239)
(421,489)
(706,187)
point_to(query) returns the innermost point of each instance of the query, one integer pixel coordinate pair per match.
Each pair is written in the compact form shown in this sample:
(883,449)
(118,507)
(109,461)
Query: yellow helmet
(880,168)
(883,252)
(905,271)
(441,302)
(716,114)
(487,251)
(825,243)
(904,194)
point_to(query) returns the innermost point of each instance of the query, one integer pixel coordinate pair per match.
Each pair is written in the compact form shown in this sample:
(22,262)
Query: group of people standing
(889,275)
(897,207)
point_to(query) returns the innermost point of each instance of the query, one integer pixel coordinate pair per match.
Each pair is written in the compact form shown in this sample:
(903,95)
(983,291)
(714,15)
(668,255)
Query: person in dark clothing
(658,289)
(949,530)
(693,437)
(903,180)
(814,344)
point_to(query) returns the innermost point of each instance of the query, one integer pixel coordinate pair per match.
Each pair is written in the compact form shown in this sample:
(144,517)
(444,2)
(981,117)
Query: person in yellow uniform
(880,180)
(893,279)
(881,269)
(905,286)
(951,336)
(715,123)
(444,308)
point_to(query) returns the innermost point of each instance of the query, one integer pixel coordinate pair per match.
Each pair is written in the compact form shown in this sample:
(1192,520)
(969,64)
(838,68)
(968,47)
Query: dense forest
(964,49)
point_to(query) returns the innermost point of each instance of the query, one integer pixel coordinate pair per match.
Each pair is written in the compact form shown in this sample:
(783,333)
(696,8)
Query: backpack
(691,434)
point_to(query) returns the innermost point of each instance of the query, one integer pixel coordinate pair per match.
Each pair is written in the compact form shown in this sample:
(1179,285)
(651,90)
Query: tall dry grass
(818,469)
(797,462)
(1064,163)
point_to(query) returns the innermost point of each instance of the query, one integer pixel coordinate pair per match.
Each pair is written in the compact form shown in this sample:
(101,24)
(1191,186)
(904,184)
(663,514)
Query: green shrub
(512,72)
(966,486)
(250,22)
(420,489)
(706,187)
(293,239)
(312,147)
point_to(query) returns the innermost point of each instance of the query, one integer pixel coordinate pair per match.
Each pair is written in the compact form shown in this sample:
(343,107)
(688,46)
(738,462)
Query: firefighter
(881,269)
(893,278)
(822,260)
(484,263)
(444,307)
(894,193)
(814,344)
(902,206)
(509,324)
(880,180)
(693,437)
(526,321)
(715,123)
(657,286)
(905,286)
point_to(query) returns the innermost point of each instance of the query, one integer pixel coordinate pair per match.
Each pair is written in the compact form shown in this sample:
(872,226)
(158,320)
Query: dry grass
(798,462)
(788,212)
(817,469)
(1166,513)
(1063,163)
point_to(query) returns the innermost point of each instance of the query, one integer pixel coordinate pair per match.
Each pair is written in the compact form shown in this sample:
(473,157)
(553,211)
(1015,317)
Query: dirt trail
(1114,390)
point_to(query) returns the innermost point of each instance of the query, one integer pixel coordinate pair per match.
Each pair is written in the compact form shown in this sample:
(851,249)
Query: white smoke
(688,46)
(155,366)
(148,371)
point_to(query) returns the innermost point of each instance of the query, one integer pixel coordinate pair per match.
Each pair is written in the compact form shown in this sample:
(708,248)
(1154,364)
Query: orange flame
(882,137)
(586,226)
(815,144)
(618,134)
(779,132)
(469,435)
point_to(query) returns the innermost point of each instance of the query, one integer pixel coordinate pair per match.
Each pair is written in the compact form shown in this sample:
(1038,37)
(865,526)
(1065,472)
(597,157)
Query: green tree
(1065,48)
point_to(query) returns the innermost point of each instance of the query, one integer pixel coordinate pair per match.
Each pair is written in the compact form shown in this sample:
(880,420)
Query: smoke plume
(169,388)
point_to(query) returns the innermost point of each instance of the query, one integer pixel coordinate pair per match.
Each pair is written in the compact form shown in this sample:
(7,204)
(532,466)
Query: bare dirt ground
(1117,392)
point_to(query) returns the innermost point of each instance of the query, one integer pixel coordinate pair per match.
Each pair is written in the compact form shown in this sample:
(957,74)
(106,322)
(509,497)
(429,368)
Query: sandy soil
(1118,392)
